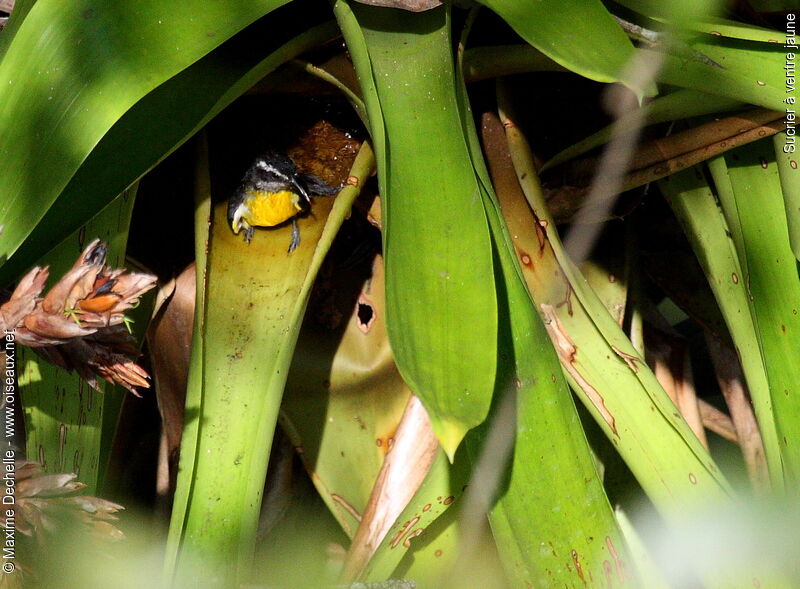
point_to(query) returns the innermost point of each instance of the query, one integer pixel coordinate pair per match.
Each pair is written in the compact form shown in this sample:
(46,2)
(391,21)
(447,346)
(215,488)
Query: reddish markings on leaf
(402,532)
(629,359)
(620,566)
(567,300)
(347,506)
(386,441)
(412,535)
(578,568)
(566,353)
(608,573)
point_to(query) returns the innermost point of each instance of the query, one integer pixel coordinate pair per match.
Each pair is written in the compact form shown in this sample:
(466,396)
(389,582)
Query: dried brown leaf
(77,325)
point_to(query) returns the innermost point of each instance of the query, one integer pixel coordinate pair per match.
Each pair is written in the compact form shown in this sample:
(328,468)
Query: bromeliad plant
(495,326)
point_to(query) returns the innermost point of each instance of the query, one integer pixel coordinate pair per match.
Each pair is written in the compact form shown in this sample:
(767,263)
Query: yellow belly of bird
(267,209)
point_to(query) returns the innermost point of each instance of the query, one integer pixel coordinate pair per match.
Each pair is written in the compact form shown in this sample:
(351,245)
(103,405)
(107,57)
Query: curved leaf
(158,124)
(751,71)
(73,69)
(538,549)
(441,301)
(749,190)
(561,29)
(698,212)
(252,316)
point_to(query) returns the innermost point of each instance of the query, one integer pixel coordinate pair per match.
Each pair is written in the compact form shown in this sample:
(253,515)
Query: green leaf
(563,29)
(547,437)
(73,69)
(749,189)
(194,384)
(252,315)
(681,11)
(158,124)
(751,71)
(735,30)
(785,155)
(336,375)
(63,414)
(604,369)
(702,220)
(537,548)
(441,301)
(416,533)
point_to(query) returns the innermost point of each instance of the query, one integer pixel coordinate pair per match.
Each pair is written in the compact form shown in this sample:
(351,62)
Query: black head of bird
(271,193)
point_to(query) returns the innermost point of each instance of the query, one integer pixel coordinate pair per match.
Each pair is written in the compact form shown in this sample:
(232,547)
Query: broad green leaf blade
(551,472)
(786,156)
(630,406)
(603,367)
(159,123)
(750,193)
(694,16)
(702,220)
(441,302)
(537,548)
(255,298)
(528,375)
(18,14)
(344,397)
(735,30)
(677,11)
(62,89)
(194,382)
(63,414)
(561,28)
(751,71)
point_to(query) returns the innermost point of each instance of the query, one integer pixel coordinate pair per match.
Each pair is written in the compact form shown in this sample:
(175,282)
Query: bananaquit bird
(271,193)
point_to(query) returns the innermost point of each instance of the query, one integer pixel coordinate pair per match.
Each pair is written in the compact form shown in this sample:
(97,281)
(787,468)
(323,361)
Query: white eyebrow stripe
(270,168)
